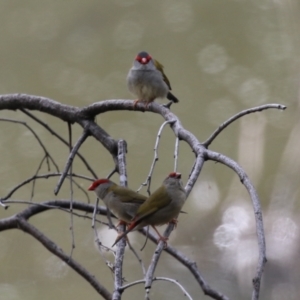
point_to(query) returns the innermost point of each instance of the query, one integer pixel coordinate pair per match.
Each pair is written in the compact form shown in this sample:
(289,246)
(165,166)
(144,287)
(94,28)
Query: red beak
(144,60)
(91,187)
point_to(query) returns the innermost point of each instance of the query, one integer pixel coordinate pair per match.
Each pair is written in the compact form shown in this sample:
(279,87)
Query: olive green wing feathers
(160,67)
(158,200)
(128,195)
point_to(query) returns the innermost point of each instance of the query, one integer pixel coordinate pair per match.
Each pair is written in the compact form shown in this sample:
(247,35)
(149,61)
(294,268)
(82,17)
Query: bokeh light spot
(178,15)
(55,268)
(206,195)
(128,34)
(237,216)
(219,110)
(82,43)
(213,59)
(254,91)
(226,236)
(9,292)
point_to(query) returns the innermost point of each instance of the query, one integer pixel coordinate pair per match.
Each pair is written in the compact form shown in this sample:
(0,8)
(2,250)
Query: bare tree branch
(257,213)
(157,279)
(47,127)
(120,252)
(73,152)
(155,159)
(239,115)
(44,176)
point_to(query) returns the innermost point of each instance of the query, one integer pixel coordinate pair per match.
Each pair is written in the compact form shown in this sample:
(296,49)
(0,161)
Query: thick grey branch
(257,213)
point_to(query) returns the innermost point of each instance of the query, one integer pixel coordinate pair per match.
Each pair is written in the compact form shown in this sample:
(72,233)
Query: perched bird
(123,202)
(147,80)
(161,207)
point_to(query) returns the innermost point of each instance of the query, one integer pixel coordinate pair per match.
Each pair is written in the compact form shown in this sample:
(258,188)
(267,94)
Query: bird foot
(161,238)
(174,221)
(164,240)
(135,102)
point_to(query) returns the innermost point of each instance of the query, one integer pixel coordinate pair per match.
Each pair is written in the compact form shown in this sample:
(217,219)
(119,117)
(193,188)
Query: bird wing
(129,196)
(160,67)
(158,200)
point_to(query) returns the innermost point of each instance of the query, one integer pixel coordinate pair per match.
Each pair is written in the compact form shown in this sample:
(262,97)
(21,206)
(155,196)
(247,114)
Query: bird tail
(171,97)
(130,227)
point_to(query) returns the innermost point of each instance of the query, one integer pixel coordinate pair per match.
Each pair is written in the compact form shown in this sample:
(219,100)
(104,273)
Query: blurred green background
(221,57)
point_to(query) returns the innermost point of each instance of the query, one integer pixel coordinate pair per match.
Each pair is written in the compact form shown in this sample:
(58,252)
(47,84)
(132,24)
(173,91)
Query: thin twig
(36,173)
(71,189)
(60,138)
(176,283)
(176,151)
(47,154)
(64,205)
(138,258)
(102,247)
(44,176)
(72,154)
(94,212)
(155,159)
(124,287)
(239,115)
(115,170)
(146,240)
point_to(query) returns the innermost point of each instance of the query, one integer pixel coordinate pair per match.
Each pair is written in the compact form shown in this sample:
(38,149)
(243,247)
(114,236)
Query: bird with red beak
(121,201)
(147,80)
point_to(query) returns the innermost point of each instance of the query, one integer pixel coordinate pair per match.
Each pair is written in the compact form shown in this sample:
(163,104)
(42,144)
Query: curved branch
(34,177)
(36,208)
(124,287)
(155,159)
(47,154)
(239,115)
(72,154)
(257,213)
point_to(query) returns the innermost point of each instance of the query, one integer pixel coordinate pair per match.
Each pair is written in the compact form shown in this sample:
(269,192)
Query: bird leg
(161,238)
(135,102)
(148,102)
(121,222)
(174,221)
